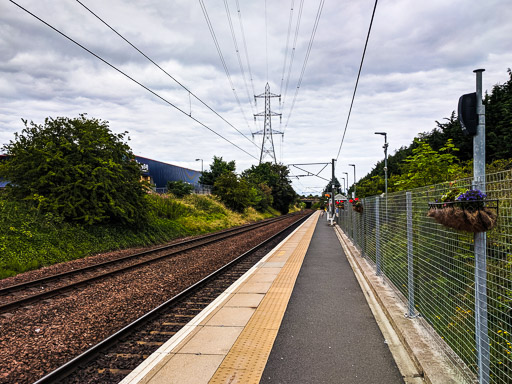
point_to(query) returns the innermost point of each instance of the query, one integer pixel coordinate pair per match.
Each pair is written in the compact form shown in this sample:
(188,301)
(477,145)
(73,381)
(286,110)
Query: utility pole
(267,146)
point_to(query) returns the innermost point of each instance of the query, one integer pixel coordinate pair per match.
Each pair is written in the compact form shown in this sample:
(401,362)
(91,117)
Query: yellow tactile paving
(257,301)
(246,360)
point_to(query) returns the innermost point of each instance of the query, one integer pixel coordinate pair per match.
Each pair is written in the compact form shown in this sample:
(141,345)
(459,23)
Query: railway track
(41,289)
(116,356)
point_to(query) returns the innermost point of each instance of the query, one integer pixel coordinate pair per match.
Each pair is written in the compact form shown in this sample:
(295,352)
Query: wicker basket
(463,219)
(358,208)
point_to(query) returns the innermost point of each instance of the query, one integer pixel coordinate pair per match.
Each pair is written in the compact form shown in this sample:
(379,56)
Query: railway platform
(301,315)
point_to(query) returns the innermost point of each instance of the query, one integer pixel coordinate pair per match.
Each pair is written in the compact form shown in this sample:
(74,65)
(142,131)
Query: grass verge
(31,240)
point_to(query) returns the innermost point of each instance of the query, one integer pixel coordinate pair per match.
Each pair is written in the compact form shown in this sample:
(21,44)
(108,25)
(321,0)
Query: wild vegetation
(74,190)
(445,154)
(30,238)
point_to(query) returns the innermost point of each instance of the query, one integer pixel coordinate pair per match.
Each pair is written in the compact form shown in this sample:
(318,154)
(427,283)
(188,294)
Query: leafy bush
(179,188)
(76,169)
(30,239)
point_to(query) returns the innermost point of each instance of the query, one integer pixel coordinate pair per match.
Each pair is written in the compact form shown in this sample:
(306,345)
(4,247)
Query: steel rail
(190,244)
(87,356)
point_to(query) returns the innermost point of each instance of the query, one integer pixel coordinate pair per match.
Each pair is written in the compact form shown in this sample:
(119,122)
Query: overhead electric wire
(297,27)
(164,71)
(228,14)
(287,45)
(245,46)
(357,81)
(129,77)
(306,58)
(212,32)
(266,37)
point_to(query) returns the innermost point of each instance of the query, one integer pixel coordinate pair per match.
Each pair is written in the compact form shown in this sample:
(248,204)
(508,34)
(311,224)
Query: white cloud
(419,61)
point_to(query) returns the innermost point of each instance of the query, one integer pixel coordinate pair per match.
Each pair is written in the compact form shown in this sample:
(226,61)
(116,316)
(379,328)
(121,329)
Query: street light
(201,164)
(385,160)
(346,189)
(353,165)
(342,187)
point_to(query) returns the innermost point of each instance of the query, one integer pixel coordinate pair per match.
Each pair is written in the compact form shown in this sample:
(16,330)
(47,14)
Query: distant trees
(179,188)
(217,168)
(275,177)
(77,169)
(261,186)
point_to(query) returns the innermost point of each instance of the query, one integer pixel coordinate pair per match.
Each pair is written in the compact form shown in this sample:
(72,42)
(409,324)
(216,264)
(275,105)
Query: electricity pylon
(267,146)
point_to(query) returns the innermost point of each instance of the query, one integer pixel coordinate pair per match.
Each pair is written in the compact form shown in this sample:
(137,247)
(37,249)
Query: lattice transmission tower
(267,146)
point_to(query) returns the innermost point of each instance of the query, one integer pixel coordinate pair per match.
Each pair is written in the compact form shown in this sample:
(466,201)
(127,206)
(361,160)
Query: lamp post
(353,165)
(346,188)
(201,164)
(343,187)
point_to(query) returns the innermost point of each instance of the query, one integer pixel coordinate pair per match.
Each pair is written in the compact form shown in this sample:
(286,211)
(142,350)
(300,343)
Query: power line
(245,45)
(266,37)
(357,81)
(212,32)
(164,71)
(297,26)
(287,45)
(129,77)
(306,58)
(238,53)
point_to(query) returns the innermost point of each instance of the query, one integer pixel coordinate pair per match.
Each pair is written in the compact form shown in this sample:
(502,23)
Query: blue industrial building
(159,173)
(156,173)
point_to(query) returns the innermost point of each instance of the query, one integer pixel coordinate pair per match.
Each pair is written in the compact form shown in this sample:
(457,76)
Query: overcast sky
(420,59)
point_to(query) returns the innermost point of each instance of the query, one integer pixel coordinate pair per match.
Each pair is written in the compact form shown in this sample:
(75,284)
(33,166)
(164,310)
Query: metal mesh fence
(441,284)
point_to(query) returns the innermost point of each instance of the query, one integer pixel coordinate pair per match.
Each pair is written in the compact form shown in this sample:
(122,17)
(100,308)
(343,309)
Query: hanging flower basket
(470,212)
(356,205)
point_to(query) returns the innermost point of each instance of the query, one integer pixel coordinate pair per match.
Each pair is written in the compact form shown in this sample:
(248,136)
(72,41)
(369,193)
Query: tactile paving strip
(247,358)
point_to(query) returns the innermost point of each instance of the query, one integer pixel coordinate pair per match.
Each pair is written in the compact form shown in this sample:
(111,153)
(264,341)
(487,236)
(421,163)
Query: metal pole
(410,265)
(333,190)
(377,236)
(363,237)
(386,173)
(353,165)
(354,228)
(480,238)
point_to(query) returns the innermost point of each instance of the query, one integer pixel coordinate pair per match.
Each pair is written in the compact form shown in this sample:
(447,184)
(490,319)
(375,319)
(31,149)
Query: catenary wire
(306,58)
(164,71)
(214,37)
(357,80)
(129,77)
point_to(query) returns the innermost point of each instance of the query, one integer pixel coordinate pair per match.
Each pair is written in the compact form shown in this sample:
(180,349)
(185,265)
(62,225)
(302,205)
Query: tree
(217,168)
(274,176)
(76,168)
(427,166)
(179,188)
(235,192)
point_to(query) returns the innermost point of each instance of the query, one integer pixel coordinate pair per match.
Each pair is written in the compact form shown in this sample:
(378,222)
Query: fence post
(377,236)
(480,239)
(354,228)
(363,231)
(410,265)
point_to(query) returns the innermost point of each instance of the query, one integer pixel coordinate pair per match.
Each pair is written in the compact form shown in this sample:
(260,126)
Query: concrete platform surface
(298,316)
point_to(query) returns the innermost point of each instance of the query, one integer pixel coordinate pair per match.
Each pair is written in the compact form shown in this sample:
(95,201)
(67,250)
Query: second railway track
(36,339)
(14,296)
